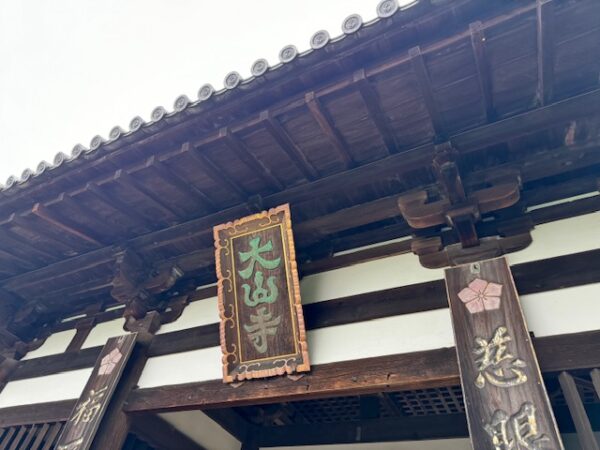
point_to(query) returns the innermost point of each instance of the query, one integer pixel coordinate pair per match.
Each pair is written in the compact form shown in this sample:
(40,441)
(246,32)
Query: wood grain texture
(80,430)
(262,324)
(500,377)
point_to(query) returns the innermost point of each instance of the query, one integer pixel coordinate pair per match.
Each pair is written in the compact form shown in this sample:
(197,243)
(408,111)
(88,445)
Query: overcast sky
(71,69)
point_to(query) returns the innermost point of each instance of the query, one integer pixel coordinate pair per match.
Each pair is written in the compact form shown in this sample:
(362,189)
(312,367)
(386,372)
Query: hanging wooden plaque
(80,429)
(506,401)
(262,326)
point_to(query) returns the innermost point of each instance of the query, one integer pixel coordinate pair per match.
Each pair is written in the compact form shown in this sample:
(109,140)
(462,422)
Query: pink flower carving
(109,362)
(481,295)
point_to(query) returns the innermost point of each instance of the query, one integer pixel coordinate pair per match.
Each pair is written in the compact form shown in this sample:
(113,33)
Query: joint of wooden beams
(461,209)
(65,225)
(241,150)
(137,285)
(376,114)
(424,82)
(284,140)
(332,134)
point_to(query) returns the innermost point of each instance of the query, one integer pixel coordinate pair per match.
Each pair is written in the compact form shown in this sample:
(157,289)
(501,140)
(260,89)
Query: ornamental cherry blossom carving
(109,362)
(481,296)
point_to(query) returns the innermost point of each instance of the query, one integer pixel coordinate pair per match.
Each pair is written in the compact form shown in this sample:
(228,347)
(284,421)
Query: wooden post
(585,433)
(506,402)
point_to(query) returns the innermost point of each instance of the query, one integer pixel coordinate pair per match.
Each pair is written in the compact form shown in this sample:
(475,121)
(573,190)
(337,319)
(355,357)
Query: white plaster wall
(202,429)
(51,388)
(103,331)
(200,312)
(56,343)
(547,313)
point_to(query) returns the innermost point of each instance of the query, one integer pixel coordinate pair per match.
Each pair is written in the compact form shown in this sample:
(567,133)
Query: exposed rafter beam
(115,203)
(328,129)
(242,151)
(213,171)
(422,76)
(376,114)
(545,51)
(284,140)
(65,225)
(483,69)
(168,176)
(126,181)
(56,239)
(84,211)
(14,240)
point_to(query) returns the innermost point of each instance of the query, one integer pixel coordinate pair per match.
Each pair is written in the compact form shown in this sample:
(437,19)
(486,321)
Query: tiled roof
(233,80)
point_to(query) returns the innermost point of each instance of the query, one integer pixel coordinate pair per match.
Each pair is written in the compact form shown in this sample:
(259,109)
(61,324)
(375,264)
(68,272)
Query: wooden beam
(26,247)
(369,96)
(545,51)
(63,224)
(411,428)
(585,433)
(232,422)
(431,368)
(36,413)
(483,69)
(80,209)
(328,129)
(256,166)
(160,434)
(422,77)
(115,203)
(213,171)
(284,140)
(168,176)
(595,375)
(126,181)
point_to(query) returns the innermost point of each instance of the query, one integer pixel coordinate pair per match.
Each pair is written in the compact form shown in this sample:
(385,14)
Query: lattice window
(41,436)
(329,410)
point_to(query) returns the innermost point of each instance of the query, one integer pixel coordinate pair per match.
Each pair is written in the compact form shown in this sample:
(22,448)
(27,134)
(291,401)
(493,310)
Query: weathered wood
(36,413)
(284,140)
(422,77)
(545,51)
(504,394)
(330,132)
(431,368)
(62,224)
(160,434)
(595,374)
(483,69)
(80,430)
(257,167)
(262,326)
(585,433)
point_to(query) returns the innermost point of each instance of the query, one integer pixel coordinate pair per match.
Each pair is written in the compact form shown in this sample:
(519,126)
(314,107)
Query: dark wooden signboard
(506,401)
(262,326)
(80,429)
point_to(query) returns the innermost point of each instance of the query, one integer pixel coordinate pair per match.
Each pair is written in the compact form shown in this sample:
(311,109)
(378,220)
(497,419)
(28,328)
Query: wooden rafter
(242,151)
(84,211)
(115,203)
(168,176)
(376,114)
(284,140)
(483,69)
(328,129)
(55,239)
(422,76)
(213,171)
(125,180)
(63,224)
(11,238)
(545,51)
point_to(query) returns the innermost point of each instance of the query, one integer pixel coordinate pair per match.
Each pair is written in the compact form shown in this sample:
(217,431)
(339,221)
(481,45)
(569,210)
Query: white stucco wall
(202,429)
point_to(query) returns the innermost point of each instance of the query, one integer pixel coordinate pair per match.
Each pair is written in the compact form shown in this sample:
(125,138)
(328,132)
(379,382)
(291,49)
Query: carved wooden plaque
(80,429)
(262,326)
(506,401)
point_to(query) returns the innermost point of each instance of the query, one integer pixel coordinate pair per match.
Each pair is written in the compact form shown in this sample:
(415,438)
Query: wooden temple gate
(403,228)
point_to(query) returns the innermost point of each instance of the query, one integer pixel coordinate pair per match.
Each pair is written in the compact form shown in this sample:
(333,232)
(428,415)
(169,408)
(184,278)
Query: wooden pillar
(585,433)
(506,402)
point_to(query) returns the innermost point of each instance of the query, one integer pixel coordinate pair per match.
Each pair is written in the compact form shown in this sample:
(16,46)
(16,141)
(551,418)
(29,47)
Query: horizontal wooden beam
(431,368)
(160,434)
(36,413)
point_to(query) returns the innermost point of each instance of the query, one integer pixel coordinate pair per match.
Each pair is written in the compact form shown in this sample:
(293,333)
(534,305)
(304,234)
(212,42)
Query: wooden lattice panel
(41,436)
(329,410)
(426,402)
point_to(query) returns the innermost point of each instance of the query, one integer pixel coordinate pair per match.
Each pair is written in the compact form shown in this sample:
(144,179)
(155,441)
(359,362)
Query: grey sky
(71,69)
